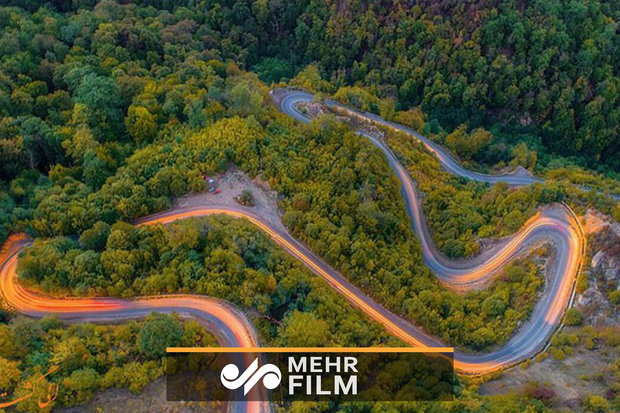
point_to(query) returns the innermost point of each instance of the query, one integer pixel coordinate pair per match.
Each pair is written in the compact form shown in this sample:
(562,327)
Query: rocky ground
(316,109)
(597,302)
(311,109)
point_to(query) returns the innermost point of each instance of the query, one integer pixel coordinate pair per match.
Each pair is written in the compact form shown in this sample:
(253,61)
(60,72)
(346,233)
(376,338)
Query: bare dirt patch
(230,185)
(152,399)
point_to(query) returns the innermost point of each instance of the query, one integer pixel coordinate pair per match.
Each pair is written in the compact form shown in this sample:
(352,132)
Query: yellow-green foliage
(88,357)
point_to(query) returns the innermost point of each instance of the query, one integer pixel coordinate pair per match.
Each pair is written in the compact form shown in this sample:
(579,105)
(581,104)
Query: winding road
(555,225)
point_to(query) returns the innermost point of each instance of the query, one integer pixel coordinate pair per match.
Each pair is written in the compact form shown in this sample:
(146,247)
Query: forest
(230,259)
(109,110)
(542,73)
(89,357)
(461,213)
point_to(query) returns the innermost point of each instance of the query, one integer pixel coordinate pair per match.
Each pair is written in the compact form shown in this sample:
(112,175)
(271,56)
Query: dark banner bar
(283,376)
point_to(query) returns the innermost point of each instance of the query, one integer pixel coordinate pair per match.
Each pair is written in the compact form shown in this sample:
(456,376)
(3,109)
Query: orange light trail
(29,302)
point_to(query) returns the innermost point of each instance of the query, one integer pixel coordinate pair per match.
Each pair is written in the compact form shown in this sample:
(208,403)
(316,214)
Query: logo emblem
(269,373)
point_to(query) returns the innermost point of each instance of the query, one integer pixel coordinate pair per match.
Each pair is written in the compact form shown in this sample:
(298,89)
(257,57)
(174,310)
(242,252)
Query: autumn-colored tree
(141,124)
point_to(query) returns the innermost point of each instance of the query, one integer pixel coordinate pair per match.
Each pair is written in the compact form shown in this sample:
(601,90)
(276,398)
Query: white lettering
(351,384)
(320,391)
(350,363)
(297,368)
(315,365)
(329,364)
(292,383)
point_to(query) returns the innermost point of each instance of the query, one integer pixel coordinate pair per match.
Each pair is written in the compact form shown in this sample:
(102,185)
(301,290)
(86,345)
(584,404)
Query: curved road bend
(231,327)
(445,157)
(462,273)
(447,160)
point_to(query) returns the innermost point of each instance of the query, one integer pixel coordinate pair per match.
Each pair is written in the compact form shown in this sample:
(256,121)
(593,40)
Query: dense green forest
(545,70)
(493,150)
(95,357)
(231,259)
(109,110)
(462,212)
(549,67)
(83,83)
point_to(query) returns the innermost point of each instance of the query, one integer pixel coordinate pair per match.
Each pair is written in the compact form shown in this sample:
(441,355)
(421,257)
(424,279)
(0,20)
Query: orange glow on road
(27,301)
(309,262)
(32,303)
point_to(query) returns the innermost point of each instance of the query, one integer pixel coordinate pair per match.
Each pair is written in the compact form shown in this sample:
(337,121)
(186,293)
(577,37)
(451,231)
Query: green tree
(246,198)
(27,334)
(13,157)
(468,145)
(8,348)
(96,237)
(596,403)
(120,237)
(305,330)
(573,317)
(158,332)
(80,144)
(102,97)
(79,387)
(9,374)
(141,124)
(70,354)
(310,79)
(244,100)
